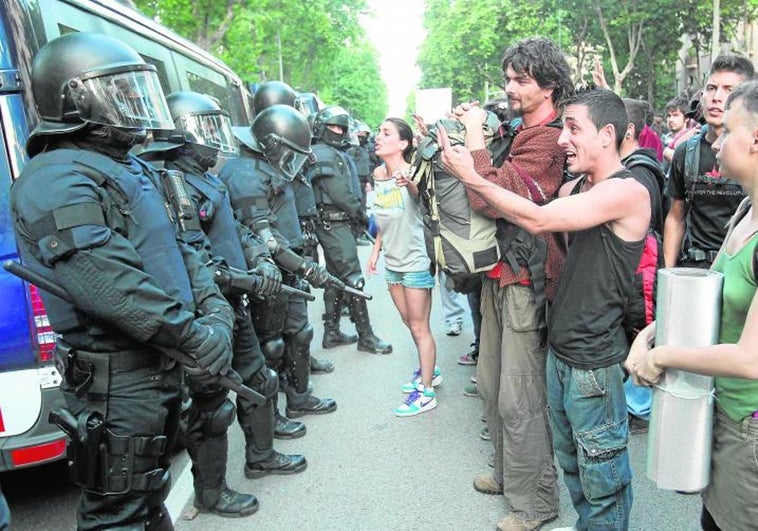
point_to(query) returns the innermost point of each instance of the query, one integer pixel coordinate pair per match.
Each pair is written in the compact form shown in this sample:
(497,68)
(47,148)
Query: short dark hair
(542,60)
(636,111)
(604,107)
(737,64)
(748,93)
(679,103)
(406,133)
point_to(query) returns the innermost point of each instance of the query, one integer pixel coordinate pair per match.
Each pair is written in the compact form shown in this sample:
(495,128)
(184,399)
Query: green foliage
(637,40)
(318,46)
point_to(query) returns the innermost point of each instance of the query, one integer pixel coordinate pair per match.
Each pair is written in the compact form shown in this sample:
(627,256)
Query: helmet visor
(213,130)
(285,157)
(129,99)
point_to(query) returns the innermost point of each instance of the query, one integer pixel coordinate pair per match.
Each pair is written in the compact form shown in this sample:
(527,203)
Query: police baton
(368,235)
(231,381)
(288,290)
(341,286)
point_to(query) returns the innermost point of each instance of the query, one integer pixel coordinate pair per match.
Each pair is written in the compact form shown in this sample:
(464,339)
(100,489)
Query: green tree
(301,43)
(466,39)
(358,86)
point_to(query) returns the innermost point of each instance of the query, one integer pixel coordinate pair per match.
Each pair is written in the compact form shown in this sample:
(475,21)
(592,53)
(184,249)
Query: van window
(204,85)
(162,75)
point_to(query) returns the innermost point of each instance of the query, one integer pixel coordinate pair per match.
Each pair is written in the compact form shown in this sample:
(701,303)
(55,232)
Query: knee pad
(273,349)
(266,382)
(216,421)
(302,338)
(356,281)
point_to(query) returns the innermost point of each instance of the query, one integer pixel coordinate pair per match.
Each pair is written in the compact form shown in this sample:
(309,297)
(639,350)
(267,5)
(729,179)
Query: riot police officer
(334,179)
(279,93)
(203,132)
(273,150)
(362,158)
(90,217)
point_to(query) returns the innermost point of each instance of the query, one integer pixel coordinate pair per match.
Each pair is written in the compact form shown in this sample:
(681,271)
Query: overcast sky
(396,32)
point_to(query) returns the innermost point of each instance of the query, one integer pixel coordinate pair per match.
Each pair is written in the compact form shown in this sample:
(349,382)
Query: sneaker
(420,400)
(416,380)
(454,329)
(471,357)
(485,434)
(471,390)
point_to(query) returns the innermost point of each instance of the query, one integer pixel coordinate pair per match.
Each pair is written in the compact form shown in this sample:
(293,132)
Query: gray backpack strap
(692,163)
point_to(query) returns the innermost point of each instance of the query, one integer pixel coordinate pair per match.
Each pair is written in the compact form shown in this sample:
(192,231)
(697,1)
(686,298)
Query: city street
(367,469)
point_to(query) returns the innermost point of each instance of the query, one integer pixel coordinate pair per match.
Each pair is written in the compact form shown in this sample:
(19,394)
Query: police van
(28,378)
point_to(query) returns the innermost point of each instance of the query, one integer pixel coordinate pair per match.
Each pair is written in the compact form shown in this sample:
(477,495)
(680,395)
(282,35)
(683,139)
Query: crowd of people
(183,277)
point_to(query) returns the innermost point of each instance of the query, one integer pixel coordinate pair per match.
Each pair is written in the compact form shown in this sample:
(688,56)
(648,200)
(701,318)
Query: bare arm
(373,259)
(621,202)
(673,232)
(737,360)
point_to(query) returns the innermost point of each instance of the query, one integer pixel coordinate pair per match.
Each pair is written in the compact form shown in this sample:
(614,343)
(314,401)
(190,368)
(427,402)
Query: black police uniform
(305,204)
(263,201)
(101,230)
(220,239)
(333,178)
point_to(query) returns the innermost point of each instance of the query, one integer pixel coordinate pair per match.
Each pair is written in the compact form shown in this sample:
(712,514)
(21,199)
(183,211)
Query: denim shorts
(410,279)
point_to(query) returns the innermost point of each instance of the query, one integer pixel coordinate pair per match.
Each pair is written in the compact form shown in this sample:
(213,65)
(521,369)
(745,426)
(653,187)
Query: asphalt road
(368,470)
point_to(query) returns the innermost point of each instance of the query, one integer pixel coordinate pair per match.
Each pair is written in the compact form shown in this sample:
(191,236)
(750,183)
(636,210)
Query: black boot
(333,304)
(278,464)
(285,428)
(225,502)
(335,338)
(367,340)
(299,404)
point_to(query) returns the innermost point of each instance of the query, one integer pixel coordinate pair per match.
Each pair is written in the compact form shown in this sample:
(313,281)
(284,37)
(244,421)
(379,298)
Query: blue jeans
(590,435)
(410,279)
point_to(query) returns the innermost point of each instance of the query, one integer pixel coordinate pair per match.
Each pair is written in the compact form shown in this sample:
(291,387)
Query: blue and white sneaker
(420,400)
(416,380)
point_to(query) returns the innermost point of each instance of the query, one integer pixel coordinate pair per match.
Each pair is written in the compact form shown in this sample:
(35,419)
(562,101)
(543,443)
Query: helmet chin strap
(117,137)
(115,141)
(206,158)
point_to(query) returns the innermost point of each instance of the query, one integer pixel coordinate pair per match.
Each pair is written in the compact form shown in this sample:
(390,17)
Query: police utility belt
(329,216)
(694,254)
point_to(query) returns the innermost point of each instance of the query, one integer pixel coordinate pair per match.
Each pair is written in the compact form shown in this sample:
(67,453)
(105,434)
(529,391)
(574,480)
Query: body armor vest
(218,222)
(136,205)
(254,189)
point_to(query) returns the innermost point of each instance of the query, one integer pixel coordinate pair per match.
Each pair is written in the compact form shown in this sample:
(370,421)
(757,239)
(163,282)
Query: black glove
(270,278)
(210,345)
(315,274)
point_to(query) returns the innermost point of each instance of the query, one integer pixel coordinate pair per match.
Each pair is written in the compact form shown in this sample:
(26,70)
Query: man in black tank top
(606,214)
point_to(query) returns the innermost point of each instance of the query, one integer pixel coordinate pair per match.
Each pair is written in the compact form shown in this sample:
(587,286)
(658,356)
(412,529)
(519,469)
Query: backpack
(640,310)
(460,241)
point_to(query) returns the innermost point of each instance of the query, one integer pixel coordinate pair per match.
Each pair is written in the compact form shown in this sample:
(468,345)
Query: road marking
(181,490)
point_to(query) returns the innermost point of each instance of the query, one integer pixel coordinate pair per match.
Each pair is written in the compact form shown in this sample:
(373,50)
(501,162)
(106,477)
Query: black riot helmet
(200,121)
(91,78)
(307,103)
(272,93)
(282,136)
(333,115)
